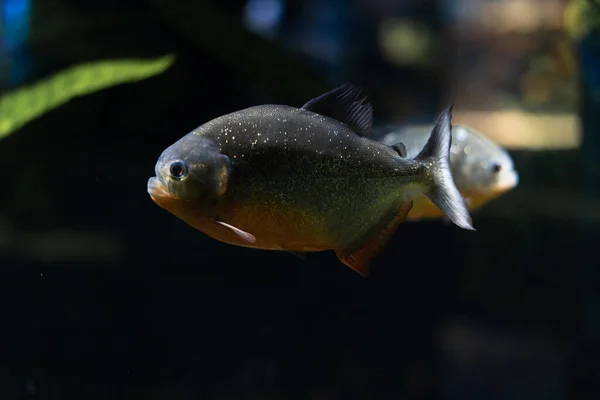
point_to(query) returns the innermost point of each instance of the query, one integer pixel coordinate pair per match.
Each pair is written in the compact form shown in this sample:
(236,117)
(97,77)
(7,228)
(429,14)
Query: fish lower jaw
(156,188)
(158,192)
(508,182)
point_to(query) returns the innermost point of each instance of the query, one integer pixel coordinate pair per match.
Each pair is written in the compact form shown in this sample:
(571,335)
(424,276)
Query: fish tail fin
(444,192)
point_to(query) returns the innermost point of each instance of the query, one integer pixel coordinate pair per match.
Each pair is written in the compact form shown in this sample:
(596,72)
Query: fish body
(303,179)
(482,169)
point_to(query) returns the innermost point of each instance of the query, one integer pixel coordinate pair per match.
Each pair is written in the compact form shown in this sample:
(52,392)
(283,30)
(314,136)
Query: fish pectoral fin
(360,258)
(400,149)
(248,237)
(347,104)
(298,254)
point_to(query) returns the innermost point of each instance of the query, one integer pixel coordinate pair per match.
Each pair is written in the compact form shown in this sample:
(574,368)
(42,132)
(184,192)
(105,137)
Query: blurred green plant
(24,104)
(581,16)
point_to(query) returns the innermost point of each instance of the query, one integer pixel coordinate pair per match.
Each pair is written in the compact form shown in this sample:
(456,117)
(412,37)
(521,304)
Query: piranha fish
(304,179)
(482,170)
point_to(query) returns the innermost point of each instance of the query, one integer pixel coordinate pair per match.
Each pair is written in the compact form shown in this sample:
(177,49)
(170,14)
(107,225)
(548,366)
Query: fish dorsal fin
(347,104)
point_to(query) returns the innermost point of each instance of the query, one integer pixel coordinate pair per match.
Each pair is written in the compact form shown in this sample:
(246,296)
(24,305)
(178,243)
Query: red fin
(248,237)
(360,258)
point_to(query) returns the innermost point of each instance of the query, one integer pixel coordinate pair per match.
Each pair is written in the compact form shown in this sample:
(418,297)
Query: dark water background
(103,295)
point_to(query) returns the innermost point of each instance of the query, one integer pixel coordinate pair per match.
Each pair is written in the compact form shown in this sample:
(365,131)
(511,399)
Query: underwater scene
(300,199)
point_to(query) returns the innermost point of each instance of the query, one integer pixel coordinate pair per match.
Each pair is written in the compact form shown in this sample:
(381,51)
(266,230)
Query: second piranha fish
(304,179)
(482,170)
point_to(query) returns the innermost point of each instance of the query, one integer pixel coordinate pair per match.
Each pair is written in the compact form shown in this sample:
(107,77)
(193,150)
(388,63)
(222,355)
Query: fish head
(190,172)
(483,170)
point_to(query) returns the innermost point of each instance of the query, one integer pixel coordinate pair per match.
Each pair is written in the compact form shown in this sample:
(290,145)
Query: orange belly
(275,228)
(423,208)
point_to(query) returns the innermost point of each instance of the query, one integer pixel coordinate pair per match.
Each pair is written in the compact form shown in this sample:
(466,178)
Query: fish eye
(177,169)
(496,168)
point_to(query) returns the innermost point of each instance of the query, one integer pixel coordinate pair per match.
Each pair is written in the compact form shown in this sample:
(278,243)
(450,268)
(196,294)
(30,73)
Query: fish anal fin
(347,104)
(360,259)
(248,237)
(356,261)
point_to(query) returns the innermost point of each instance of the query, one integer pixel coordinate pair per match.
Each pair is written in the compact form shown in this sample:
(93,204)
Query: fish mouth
(157,190)
(509,181)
